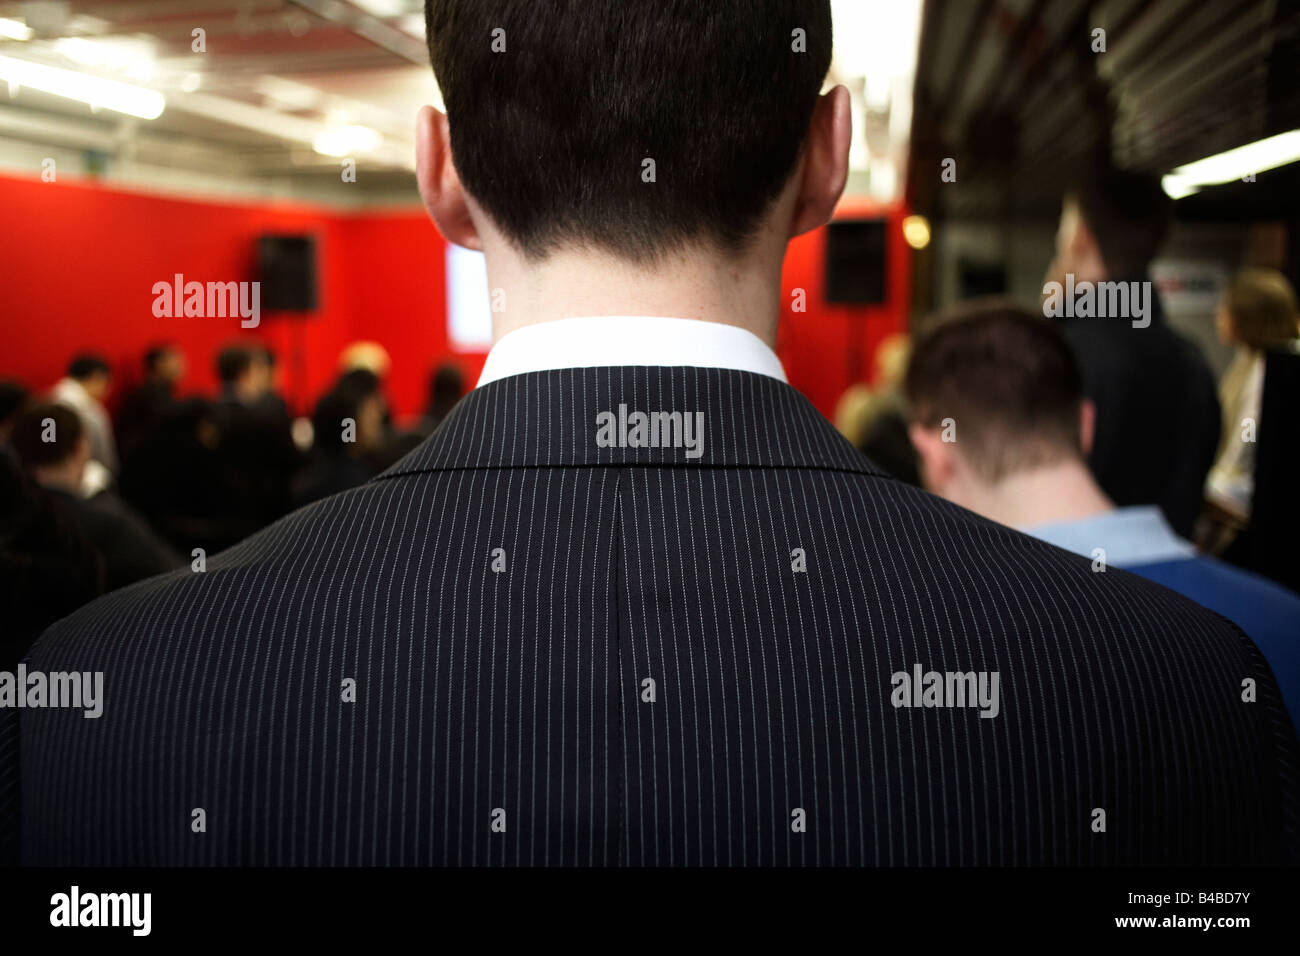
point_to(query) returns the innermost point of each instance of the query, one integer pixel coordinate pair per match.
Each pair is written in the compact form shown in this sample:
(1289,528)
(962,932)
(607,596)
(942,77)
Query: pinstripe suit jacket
(522,645)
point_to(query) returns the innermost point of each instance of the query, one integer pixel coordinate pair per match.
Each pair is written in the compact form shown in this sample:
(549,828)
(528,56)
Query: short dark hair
(342,401)
(1008,380)
(86,364)
(13,396)
(1128,214)
(550,135)
(27,437)
(362,381)
(446,386)
(232,362)
(155,354)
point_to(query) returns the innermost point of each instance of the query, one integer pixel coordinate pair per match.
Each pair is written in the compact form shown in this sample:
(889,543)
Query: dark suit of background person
(176,478)
(145,407)
(1157,402)
(348,428)
(256,445)
(47,567)
(530,642)
(128,547)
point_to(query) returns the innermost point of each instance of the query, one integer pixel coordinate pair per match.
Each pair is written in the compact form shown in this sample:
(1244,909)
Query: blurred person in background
(53,447)
(349,433)
(1157,423)
(258,454)
(871,416)
(143,407)
(47,567)
(1009,382)
(372,359)
(1257,312)
(244,374)
(13,396)
(270,404)
(387,446)
(176,477)
(446,387)
(84,389)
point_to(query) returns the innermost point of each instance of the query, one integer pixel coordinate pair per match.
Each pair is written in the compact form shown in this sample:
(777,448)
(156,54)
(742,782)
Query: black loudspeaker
(855,261)
(287,269)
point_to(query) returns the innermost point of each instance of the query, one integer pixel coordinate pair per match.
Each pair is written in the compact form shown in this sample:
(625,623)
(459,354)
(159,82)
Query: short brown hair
(1007,379)
(1262,307)
(27,437)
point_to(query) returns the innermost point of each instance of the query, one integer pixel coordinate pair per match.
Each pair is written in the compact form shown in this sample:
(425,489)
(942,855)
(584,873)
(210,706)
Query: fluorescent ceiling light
(344,140)
(413,24)
(383,8)
(127,55)
(14,29)
(1235,164)
(93,90)
(1176,187)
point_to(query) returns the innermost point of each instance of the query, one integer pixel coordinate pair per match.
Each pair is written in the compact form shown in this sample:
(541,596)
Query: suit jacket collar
(584,416)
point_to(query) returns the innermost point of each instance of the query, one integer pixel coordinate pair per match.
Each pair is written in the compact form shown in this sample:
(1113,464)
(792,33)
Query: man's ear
(440,185)
(825,164)
(1087,426)
(937,461)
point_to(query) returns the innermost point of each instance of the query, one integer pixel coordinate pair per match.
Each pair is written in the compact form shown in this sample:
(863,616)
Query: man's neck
(1064,491)
(744,292)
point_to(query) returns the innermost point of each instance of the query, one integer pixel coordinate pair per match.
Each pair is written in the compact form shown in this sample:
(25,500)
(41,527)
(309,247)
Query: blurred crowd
(1152,426)
(92,502)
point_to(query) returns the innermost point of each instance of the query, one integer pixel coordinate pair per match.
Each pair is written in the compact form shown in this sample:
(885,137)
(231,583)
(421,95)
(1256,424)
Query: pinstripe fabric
(647,676)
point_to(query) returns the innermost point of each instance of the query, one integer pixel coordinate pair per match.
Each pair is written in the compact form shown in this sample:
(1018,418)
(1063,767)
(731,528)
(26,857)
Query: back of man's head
(1005,384)
(88,365)
(46,435)
(163,361)
(13,397)
(1128,215)
(632,127)
(233,362)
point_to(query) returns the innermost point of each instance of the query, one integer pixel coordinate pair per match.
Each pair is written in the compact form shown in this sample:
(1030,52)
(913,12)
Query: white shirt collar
(70,391)
(617,340)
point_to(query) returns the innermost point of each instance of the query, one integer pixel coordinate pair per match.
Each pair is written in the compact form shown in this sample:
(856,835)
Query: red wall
(817,347)
(81,259)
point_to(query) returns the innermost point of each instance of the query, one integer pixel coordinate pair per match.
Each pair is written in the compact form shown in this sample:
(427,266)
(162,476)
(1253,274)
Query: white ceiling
(273,75)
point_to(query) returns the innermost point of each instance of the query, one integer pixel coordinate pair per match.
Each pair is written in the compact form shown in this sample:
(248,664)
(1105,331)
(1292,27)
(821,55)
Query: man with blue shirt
(999,421)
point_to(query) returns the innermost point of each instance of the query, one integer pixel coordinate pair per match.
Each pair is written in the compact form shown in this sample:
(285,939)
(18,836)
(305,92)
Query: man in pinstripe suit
(636,602)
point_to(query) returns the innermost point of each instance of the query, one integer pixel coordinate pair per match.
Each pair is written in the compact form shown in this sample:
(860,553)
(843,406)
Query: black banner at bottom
(333,906)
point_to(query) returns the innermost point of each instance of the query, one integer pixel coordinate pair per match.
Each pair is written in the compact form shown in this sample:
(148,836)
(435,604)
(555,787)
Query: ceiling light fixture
(92,90)
(1235,164)
(346,140)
